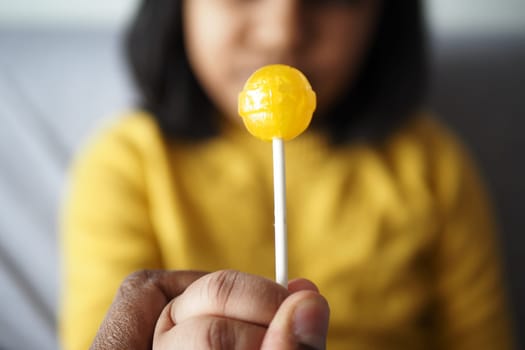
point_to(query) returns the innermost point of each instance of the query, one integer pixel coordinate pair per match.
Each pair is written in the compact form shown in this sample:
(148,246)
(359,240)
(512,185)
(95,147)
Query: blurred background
(62,76)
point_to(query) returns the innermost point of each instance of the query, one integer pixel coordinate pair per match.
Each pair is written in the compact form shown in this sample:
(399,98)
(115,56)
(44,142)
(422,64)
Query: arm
(470,291)
(106,234)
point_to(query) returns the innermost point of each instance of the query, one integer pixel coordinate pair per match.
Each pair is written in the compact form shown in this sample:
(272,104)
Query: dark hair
(389,89)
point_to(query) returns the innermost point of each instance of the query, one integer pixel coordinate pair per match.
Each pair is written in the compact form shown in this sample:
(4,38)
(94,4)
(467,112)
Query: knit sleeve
(470,290)
(106,233)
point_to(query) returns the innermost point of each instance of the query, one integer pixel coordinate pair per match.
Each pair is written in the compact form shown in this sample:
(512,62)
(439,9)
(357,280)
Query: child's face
(227,40)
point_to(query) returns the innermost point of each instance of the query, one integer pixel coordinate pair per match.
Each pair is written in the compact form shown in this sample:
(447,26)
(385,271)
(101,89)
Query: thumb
(301,322)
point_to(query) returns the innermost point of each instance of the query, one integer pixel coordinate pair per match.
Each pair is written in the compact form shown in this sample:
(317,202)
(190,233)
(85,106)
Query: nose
(280,26)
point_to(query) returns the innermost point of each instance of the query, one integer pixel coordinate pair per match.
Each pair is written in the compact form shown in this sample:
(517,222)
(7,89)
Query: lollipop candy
(277,101)
(277,104)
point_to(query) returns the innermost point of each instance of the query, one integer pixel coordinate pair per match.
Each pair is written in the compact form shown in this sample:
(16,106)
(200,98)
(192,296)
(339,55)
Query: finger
(211,332)
(164,322)
(230,294)
(300,323)
(301,284)
(170,283)
(130,321)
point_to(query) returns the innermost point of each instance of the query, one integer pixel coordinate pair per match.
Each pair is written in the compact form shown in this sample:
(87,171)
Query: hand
(131,319)
(233,310)
(222,310)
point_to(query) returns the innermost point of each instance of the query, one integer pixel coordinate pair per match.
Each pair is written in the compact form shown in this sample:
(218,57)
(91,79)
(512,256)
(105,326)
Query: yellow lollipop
(277,102)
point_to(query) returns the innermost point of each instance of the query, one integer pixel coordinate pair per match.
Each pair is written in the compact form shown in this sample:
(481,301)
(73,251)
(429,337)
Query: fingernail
(311,323)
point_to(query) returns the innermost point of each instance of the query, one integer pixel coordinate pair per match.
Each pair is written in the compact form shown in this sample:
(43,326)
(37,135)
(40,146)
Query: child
(385,211)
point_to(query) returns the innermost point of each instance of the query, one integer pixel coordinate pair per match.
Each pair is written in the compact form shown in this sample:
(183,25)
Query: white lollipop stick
(279,192)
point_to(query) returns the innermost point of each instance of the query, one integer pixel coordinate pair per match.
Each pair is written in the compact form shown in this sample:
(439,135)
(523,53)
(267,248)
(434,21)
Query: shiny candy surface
(277,102)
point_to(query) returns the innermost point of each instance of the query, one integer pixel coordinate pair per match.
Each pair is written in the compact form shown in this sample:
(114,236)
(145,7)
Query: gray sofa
(57,86)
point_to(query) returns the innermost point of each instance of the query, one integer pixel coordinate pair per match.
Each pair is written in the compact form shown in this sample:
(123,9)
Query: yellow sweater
(398,236)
